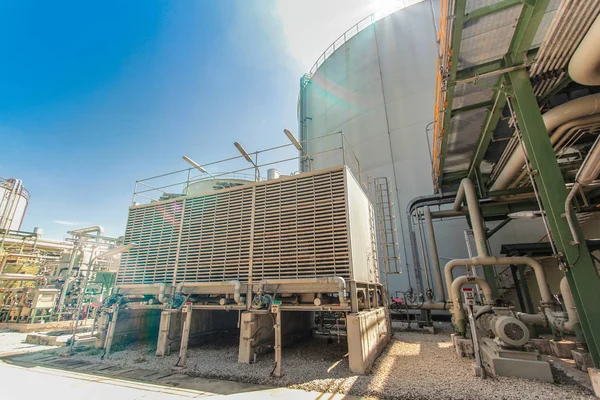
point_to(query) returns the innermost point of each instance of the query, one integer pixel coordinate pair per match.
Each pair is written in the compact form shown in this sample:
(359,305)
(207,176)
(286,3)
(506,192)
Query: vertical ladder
(386,226)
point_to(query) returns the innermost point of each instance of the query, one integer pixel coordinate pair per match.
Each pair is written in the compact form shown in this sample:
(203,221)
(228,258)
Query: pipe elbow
(584,67)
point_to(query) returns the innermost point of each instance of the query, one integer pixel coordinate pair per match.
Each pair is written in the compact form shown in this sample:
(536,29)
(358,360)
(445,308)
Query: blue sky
(98,94)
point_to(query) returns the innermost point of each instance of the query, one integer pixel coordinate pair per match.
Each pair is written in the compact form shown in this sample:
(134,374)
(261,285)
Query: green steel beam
(489,126)
(528,24)
(489,67)
(492,9)
(580,269)
(471,107)
(457,31)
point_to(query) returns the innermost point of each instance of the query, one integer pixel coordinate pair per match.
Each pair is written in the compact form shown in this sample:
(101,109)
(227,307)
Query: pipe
(19,277)
(540,274)
(532,319)
(467,192)
(236,287)
(80,232)
(581,107)
(161,293)
(423,257)
(590,169)
(433,255)
(569,303)
(331,279)
(457,284)
(584,67)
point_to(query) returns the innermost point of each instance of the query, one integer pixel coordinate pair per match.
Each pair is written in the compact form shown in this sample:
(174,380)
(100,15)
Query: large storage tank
(13,203)
(376,85)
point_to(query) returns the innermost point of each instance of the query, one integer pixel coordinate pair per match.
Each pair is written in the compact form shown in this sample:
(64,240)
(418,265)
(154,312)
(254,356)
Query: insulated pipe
(78,232)
(540,274)
(433,254)
(589,170)
(584,67)
(569,303)
(457,284)
(341,283)
(467,192)
(574,109)
(161,293)
(19,277)
(532,319)
(236,287)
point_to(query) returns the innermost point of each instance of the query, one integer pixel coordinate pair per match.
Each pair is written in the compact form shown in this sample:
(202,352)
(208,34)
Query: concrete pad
(462,346)
(583,360)
(45,327)
(541,345)
(562,349)
(595,377)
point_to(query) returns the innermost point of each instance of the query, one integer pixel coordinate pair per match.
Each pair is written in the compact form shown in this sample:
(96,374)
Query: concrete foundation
(132,325)
(563,348)
(541,345)
(204,324)
(595,378)
(462,346)
(583,360)
(368,334)
(257,335)
(508,362)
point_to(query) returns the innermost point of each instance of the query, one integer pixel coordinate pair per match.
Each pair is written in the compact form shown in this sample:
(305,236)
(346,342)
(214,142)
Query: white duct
(584,67)
(578,108)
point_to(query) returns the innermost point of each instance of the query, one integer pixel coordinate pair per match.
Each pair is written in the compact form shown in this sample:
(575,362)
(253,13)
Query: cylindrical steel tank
(14,199)
(376,84)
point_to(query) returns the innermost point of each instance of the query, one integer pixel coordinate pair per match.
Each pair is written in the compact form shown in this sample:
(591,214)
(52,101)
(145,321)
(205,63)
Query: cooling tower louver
(295,227)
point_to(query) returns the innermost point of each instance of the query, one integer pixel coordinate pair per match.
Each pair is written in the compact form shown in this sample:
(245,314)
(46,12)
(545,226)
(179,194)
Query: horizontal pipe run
(235,284)
(339,281)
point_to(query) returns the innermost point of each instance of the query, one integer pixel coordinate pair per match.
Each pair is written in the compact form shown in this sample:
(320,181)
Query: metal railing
(360,26)
(177,183)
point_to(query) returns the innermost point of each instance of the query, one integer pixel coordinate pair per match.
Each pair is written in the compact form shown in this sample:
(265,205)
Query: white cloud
(68,223)
(310,26)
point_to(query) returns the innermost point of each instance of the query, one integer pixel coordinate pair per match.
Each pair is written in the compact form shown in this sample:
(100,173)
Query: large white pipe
(162,288)
(433,254)
(97,228)
(457,284)
(467,192)
(569,303)
(540,274)
(584,67)
(339,281)
(236,287)
(588,172)
(564,113)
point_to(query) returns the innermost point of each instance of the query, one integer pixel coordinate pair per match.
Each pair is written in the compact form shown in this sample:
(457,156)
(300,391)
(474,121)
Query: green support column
(581,272)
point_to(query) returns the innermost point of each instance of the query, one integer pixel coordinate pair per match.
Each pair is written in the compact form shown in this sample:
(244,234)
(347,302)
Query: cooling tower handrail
(174,184)
(359,27)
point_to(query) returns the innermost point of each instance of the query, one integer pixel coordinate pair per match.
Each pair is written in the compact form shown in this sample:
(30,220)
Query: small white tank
(273,173)
(13,203)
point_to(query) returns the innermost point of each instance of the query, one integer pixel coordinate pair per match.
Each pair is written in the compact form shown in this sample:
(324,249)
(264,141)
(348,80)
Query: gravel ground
(413,366)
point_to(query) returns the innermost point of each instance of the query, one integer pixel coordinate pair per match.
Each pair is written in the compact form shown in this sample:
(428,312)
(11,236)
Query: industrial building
(446,168)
